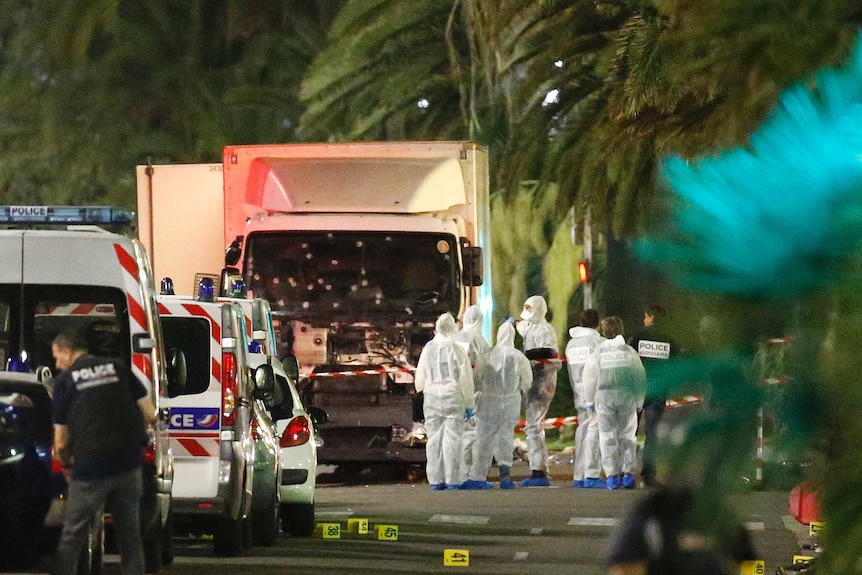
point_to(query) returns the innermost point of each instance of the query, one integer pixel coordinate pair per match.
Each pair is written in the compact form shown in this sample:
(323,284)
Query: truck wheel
(228,537)
(297,519)
(265,523)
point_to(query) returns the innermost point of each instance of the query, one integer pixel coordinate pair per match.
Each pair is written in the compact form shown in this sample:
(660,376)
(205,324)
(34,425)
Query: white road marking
(592,521)
(535,531)
(460,519)
(755,526)
(346,512)
(521,555)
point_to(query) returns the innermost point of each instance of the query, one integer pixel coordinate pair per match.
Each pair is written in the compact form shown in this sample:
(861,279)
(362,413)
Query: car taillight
(296,433)
(56,466)
(228,389)
(150,453)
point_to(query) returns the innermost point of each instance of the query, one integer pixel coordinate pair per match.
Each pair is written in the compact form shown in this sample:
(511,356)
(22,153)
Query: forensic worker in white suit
(445,377)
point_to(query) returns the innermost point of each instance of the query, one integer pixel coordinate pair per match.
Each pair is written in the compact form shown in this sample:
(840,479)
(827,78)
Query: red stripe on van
(127,261)
(142,362)
(216,370)
(163,310)
(197,310)
(83,309)
(137,312)
(193,447)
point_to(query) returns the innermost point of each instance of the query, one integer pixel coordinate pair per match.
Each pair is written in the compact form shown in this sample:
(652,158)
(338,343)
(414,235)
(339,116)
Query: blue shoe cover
(473,484)
(628,481)
(594,483)
(507,483)
(613,482)
(451,487)
(578,484)
(536,482)
(438,487)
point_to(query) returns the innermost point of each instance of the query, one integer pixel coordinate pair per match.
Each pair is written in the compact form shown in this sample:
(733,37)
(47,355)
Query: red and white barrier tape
(556,422)
(383,370)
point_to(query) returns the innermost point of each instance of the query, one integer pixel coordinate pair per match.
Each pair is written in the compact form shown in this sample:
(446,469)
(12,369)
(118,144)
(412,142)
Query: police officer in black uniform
(100,419)
(653,345)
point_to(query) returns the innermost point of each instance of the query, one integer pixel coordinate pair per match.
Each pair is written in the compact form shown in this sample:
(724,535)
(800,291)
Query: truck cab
(61,270)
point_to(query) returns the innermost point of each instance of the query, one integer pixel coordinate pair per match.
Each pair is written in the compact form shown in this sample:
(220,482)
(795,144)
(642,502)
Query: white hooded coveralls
(538,333)
(506,376)
(583,342)
(615,380)
(446,378)
(471,338)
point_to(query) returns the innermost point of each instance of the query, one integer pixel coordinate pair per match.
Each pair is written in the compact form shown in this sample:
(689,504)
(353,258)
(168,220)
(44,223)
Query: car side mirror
(291,367)
(318,416)
(177,372)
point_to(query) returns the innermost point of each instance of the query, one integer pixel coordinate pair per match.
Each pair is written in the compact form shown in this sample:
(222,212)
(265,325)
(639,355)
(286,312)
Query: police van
(63,270)
(226,458)
(297,438)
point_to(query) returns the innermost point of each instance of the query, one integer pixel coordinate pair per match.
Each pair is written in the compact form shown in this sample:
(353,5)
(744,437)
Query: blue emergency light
(206,289)
(65,215)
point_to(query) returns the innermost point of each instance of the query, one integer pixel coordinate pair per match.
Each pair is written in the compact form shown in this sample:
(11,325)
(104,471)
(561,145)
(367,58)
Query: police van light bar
(83,215)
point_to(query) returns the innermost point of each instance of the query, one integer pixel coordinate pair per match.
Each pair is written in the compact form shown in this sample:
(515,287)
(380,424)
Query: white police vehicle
(61,270)
(226,458)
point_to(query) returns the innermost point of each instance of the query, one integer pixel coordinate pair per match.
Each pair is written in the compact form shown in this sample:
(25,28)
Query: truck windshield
(354,275)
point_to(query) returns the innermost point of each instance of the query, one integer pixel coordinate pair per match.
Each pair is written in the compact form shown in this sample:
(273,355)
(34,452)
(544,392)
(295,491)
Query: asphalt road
(525,531)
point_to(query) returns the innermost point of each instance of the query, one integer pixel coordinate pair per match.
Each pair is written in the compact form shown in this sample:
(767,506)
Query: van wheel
(153,551)
(265,522)
(168,540)
(297,519)
(228,537)
(91,559)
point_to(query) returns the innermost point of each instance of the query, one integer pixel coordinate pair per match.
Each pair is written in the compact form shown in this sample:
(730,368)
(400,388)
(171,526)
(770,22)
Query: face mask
(526,314)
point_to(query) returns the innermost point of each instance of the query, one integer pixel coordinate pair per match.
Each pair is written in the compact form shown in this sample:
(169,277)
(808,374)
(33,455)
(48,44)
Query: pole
(588,257)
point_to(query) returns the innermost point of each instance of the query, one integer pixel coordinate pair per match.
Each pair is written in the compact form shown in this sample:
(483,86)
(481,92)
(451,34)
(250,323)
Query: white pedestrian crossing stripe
(460,519)
(592,521)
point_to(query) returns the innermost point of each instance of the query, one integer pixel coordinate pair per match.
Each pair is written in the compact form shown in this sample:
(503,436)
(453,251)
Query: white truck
(357,247)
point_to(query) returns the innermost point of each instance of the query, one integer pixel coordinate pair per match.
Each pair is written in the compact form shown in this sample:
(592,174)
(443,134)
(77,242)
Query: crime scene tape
(385,370)
(557,422)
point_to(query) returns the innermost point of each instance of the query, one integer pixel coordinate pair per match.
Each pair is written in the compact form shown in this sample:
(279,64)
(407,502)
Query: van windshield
(33,315)
(354,275)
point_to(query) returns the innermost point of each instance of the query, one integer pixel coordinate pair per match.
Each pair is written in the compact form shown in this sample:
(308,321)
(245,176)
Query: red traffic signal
(583,272)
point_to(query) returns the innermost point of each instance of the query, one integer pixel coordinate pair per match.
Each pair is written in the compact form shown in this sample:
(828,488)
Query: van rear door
(195,421)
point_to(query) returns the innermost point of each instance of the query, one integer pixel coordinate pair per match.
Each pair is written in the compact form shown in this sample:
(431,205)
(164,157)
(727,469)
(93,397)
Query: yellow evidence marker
(330,530)
(756,567)
(815,528)
(456,557)
(802,558)
(387,532)
(359,526)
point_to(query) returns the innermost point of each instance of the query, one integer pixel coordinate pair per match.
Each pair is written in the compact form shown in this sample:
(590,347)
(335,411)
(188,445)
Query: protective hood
(618,341)
(506,335)
(538,309)
(472,320)
(445,327)
(581,331)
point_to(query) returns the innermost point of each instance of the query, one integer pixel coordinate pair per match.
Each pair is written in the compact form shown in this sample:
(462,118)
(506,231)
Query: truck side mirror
(291,367)
(233,251)
(177,372)
(472,258)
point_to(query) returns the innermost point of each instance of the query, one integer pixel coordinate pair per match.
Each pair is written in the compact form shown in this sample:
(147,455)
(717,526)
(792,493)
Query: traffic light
(584,272)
